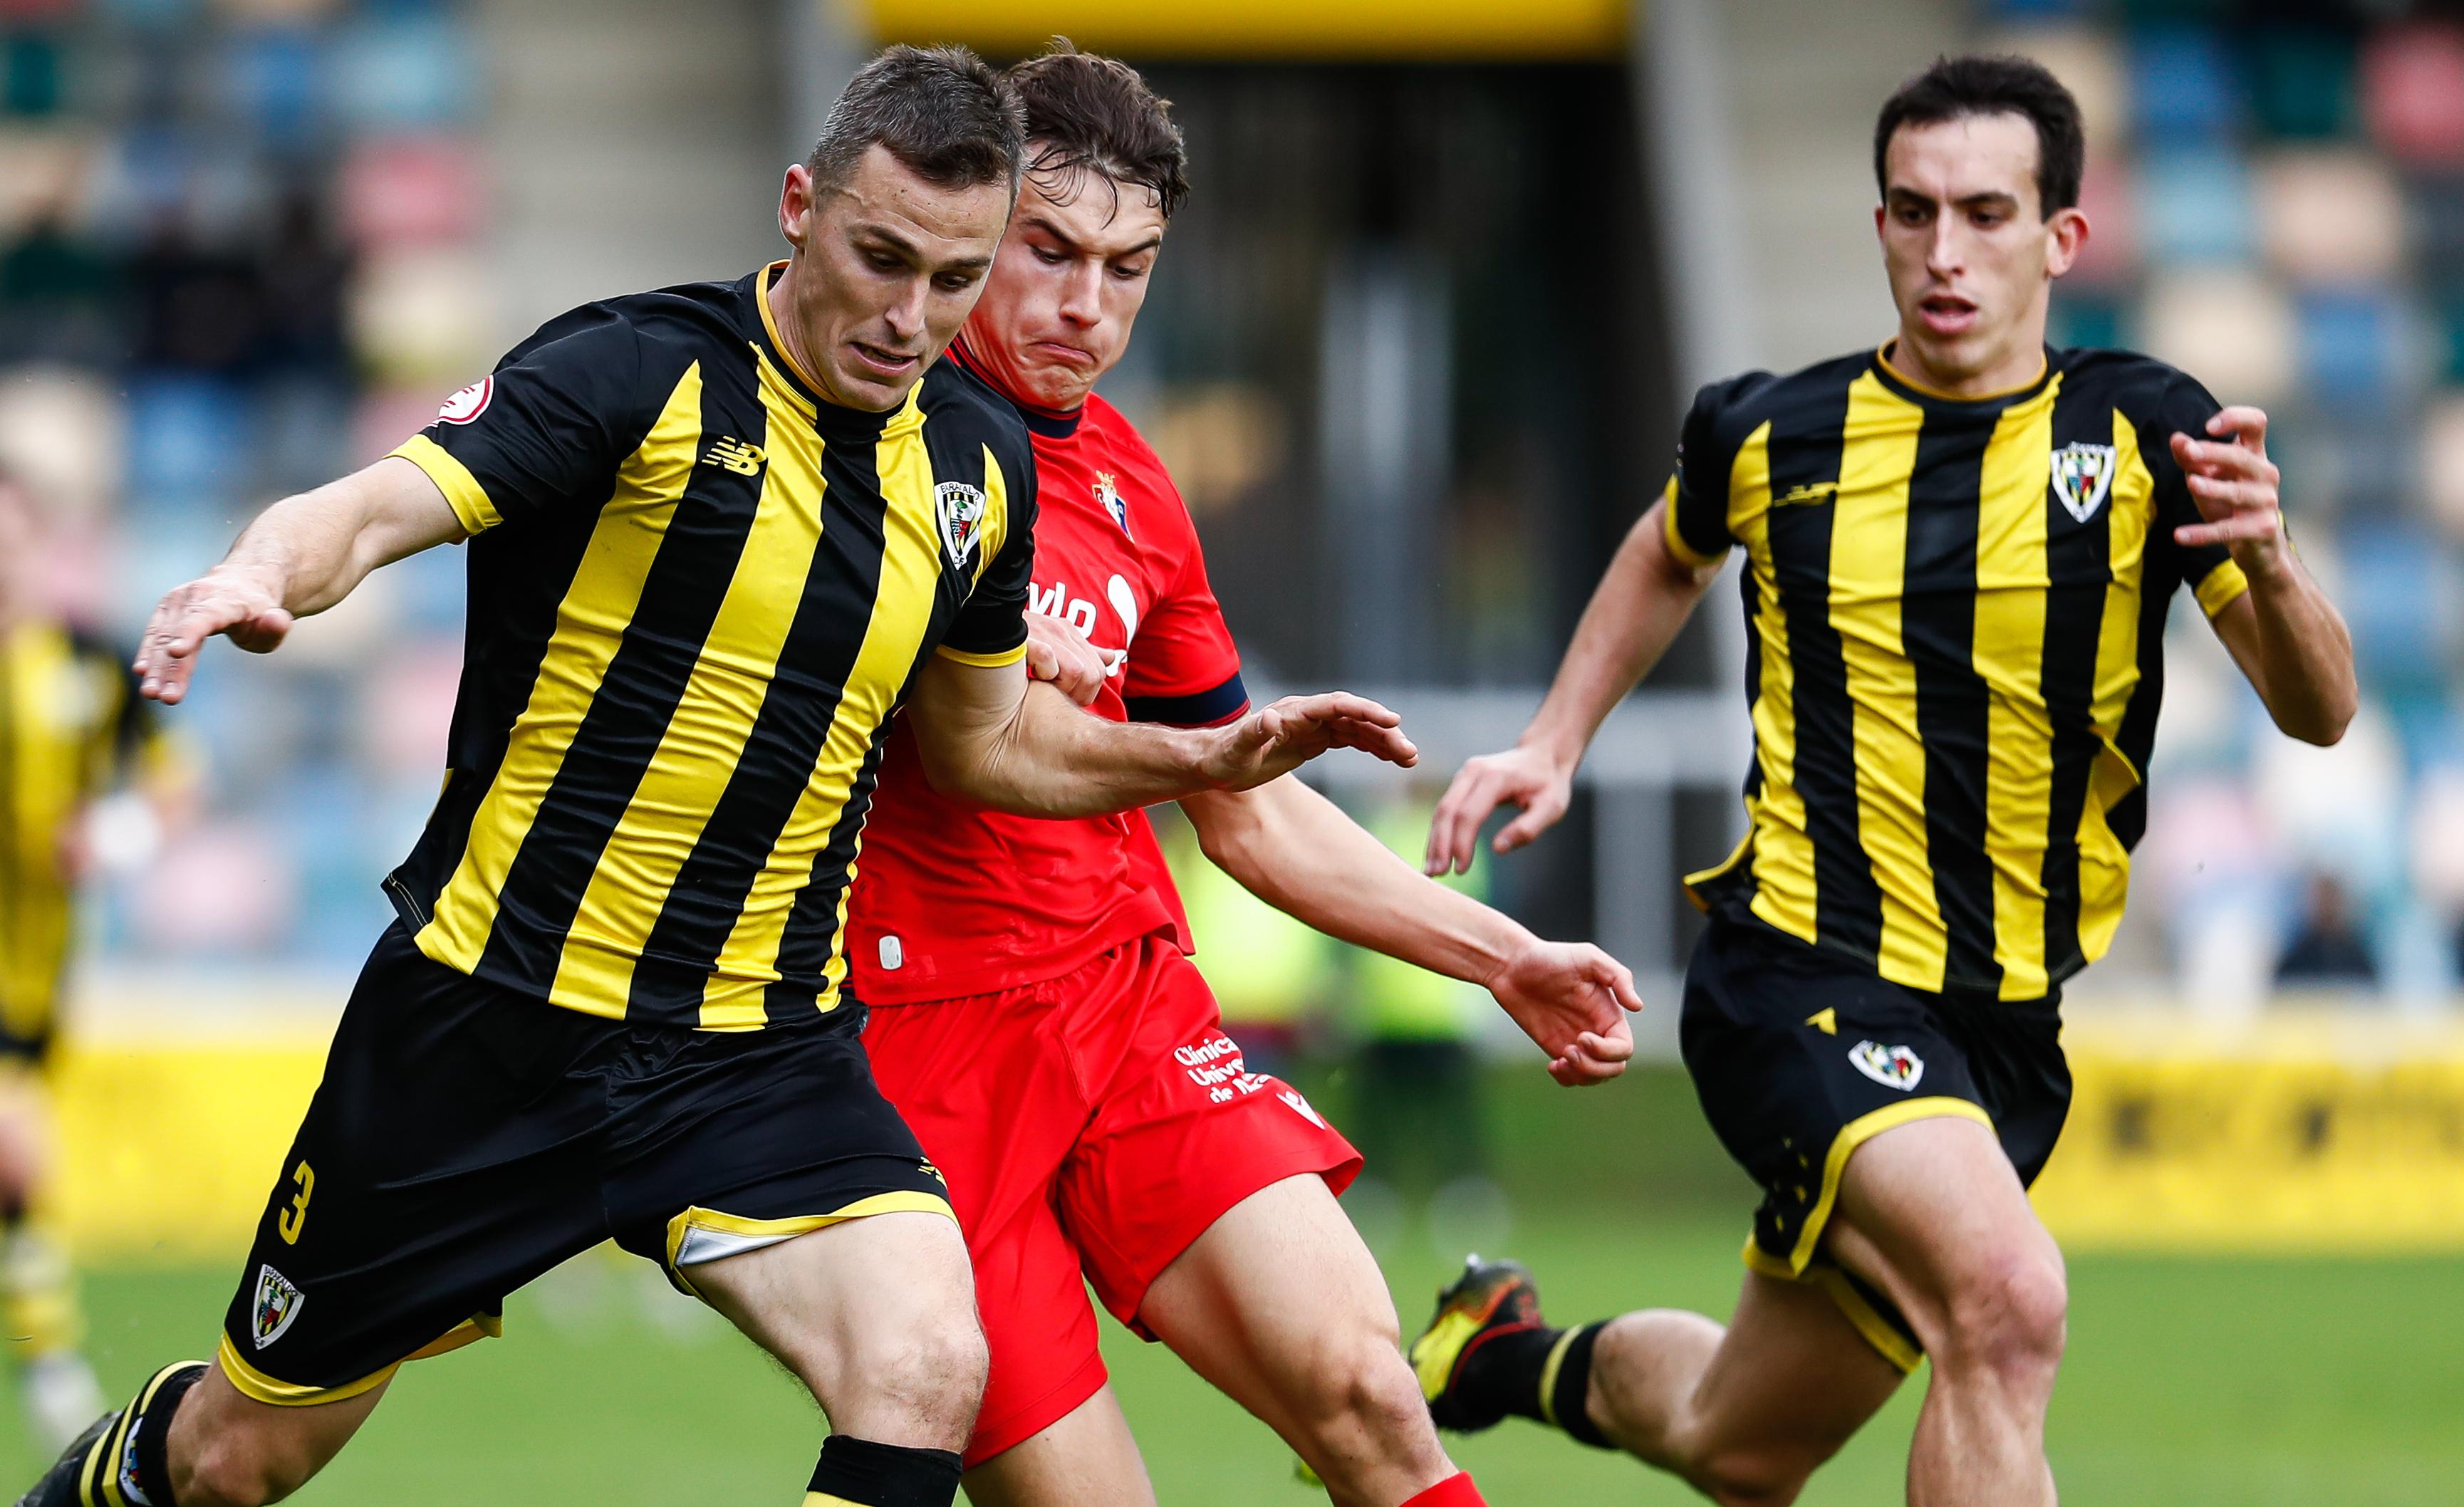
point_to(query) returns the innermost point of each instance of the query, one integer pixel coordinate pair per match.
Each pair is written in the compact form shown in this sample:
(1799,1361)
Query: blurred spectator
(2327,948)
(197,310)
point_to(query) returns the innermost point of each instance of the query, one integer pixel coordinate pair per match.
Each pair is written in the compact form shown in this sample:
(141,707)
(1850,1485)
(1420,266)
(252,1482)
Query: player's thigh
(1278,1295)
(1932,1213)
(876,1315)
(1793,1379)
(1086,1459)
(1182,1134)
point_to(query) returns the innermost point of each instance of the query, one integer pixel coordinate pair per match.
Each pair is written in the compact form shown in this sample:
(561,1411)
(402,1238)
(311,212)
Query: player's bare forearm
(299,556)
(989,736)
(1296,850)
(2292,644)
(1635,613)
(1299,852)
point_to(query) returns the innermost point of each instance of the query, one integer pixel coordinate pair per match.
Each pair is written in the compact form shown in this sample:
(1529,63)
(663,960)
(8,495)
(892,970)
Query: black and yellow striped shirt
(698,594)
(1954,618)
(70,724)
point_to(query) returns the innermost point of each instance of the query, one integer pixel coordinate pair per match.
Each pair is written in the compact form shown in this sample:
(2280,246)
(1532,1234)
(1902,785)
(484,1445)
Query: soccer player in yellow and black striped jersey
(1960,550)
(720,534)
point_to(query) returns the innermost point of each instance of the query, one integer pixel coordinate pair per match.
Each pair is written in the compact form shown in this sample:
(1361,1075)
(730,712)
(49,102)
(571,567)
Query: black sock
(132,1461)
(860,1472)
(1507,1370)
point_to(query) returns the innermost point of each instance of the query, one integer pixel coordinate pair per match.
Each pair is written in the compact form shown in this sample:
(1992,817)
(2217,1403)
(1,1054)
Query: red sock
(1454,1491)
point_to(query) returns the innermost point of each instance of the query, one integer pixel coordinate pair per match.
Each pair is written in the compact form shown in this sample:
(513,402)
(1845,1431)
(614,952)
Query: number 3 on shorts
(295,1217)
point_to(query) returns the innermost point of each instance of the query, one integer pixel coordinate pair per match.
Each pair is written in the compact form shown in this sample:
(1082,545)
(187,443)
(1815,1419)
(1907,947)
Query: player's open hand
(2234,484)
(1527,776)
(1572,998)
(1278,739)
(237,606)
(1057,652)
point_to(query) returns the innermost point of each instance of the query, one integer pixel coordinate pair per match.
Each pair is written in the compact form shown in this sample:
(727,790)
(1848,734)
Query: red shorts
(1091,1127)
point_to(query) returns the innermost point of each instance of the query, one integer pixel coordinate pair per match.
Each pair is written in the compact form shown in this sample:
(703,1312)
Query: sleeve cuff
(992,661)
(462,490)
(1203,709)
(1676,544)
(2217,589)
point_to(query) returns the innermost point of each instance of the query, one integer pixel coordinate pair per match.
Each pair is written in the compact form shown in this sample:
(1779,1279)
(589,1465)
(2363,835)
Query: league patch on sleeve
(469,402)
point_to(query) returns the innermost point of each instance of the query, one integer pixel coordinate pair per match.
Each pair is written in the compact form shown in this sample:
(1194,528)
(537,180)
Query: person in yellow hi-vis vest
(1269,971)
(1416,1099)
(72,727)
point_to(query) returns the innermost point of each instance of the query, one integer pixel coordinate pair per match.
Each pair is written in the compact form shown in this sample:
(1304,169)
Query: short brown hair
(950,117)
(1954,88)
(1094,113)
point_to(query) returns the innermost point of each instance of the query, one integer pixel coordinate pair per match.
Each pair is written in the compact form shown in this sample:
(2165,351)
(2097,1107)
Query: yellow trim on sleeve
(1676,544)
(1852,1135)
(2220,586)
(462,490)
(755,1234)
(983,661)
(254,1383)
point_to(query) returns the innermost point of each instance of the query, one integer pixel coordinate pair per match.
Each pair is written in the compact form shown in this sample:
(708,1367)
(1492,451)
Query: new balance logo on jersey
(746,460)
(277,1305)
(1891,1066)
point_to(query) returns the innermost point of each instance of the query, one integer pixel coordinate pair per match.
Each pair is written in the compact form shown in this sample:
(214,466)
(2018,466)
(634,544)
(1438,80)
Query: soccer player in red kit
(1037,1019)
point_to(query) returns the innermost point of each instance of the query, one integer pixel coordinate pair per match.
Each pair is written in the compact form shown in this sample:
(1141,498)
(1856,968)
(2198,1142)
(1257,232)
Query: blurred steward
(72,730)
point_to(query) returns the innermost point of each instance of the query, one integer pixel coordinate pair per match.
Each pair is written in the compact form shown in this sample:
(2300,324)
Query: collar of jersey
(1914,391)
(829,418)
(1051,423)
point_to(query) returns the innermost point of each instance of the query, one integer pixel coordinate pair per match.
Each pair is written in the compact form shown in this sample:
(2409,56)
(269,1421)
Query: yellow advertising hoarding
(1364,30)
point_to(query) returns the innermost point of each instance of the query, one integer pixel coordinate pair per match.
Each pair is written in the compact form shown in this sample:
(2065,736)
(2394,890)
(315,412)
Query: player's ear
(2065,236)
(796,204)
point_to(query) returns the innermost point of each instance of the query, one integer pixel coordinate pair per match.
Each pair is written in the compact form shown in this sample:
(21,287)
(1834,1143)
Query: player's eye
(1047,255)
(954,282)
(882,261)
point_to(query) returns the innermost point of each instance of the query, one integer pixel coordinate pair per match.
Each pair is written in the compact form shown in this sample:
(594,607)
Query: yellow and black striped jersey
(70,724)
(1954,619)
(697,593)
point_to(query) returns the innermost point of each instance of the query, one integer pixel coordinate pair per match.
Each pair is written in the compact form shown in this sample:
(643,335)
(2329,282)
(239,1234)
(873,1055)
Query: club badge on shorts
(2082,474)
(961,511)
(1891,1066)
(279,1302)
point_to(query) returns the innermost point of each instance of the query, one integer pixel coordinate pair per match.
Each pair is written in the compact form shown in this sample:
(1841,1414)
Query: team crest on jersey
(1108,492)
(961,510)
(1891,1066)
(278,1304)
(469,402)
(2082,474)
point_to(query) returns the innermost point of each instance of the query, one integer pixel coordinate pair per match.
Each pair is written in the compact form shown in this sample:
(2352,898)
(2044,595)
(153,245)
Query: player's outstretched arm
(1297,851)
(300,557)
(987,735)
(1634,615)
(2286,636)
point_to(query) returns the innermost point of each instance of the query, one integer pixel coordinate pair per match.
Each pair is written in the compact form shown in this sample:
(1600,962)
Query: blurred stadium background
(1416,357)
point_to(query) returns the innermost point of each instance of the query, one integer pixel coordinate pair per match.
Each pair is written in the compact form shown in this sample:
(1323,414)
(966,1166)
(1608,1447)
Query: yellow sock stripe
(1548,1376)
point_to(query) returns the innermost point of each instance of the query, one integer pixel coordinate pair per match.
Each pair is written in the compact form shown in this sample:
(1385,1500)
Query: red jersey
(957,900)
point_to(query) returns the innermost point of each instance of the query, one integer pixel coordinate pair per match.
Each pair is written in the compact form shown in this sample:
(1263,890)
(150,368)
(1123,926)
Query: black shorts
(467,1138)
(1801,1055)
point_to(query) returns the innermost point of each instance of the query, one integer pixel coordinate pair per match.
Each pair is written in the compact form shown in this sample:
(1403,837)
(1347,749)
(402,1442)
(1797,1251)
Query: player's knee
(1741,1478)
(1360,1392)
(932,1370)
(2011,1317)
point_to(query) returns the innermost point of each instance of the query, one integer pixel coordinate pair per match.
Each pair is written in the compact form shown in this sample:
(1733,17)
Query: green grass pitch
(2191,1382)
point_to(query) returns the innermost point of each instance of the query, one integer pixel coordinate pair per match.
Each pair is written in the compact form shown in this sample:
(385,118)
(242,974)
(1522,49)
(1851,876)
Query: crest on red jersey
(1108,492)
